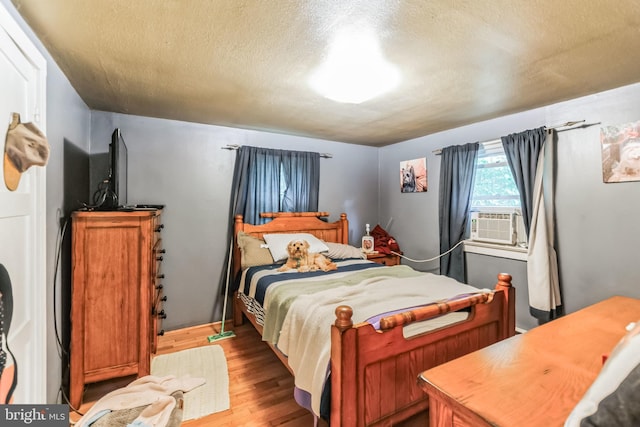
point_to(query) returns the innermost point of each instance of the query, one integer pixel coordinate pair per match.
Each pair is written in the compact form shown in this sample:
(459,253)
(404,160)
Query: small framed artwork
(413,175)
(620,152)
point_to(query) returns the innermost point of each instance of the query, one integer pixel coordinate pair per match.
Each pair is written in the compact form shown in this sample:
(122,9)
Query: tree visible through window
(494,184)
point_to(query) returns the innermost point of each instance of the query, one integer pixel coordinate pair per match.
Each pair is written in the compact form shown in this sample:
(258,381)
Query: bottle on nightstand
(367,241)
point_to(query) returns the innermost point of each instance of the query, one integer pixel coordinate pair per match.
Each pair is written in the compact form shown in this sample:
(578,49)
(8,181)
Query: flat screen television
(118,170)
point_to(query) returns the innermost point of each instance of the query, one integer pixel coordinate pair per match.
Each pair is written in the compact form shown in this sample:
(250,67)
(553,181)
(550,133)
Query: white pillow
(277,244)
(342,251)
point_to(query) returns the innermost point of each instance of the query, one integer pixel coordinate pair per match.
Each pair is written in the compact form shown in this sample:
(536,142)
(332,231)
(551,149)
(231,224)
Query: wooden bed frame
(374,373)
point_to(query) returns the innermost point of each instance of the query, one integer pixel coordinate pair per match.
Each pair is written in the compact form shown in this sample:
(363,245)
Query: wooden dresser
(116,295)
(532,379)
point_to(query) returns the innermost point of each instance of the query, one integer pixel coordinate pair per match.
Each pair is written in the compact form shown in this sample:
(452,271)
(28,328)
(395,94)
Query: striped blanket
(267,293)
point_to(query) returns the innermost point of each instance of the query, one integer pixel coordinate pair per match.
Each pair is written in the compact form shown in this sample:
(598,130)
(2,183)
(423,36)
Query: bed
(372,361)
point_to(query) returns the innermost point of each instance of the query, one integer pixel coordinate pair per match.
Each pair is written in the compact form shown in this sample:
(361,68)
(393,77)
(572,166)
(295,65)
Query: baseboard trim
(186,329)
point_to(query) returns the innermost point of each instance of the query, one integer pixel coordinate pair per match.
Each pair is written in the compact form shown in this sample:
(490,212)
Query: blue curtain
(531,156)
(457,174)
(268,180)
(522,151)
(301,174)
(256,183)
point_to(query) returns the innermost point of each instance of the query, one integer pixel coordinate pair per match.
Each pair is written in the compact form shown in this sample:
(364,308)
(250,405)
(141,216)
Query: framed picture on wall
(413,175)
(620,152)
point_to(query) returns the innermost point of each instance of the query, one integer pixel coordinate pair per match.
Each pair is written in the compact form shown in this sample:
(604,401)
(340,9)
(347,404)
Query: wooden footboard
(374,373)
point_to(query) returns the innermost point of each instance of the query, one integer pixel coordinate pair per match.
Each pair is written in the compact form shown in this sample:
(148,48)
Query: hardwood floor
(260,387)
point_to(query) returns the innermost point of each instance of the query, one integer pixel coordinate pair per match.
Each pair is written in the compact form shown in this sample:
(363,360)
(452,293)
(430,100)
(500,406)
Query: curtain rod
(235,147)
(564,125)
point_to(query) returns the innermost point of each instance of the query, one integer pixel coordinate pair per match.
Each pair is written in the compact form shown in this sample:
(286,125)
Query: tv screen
(118,169)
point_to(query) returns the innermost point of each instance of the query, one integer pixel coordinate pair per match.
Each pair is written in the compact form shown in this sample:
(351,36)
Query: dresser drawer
(384,259)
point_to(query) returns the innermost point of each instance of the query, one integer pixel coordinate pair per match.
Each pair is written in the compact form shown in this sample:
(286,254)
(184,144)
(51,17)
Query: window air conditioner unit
(494,227)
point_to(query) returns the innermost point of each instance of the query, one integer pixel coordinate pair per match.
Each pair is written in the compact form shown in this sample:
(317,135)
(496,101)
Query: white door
(23,213)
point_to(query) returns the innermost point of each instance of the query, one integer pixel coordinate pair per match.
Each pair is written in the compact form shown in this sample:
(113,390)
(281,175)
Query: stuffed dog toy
(300,259)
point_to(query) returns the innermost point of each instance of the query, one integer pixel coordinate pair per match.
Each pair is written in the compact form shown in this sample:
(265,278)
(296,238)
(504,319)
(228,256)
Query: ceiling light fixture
(355,70)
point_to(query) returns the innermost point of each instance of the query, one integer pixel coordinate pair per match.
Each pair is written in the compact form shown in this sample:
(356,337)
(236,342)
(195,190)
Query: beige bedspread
(279,297)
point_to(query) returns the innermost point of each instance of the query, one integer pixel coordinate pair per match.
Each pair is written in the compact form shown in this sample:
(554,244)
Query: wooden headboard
(292,222)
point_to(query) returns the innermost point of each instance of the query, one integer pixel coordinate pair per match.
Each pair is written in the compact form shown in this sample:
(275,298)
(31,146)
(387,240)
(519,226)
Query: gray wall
(597,226)
(183,166)
(482,272)
(597,223)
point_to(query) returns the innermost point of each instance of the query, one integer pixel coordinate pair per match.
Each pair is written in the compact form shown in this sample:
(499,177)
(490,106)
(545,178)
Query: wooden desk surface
(532,379)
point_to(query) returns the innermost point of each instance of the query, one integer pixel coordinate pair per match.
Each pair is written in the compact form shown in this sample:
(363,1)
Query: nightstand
(384,259)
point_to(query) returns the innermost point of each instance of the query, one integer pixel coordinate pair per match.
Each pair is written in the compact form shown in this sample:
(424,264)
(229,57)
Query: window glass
(494,184)
(283,187)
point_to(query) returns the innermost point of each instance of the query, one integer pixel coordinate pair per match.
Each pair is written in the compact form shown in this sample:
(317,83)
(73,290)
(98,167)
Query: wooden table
(532,379)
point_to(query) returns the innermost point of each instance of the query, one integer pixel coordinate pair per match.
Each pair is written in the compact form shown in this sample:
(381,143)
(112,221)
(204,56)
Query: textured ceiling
(247,63)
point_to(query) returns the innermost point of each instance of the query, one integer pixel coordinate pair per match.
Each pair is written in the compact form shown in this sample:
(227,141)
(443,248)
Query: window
(269,180)
(494,185)
(495,189)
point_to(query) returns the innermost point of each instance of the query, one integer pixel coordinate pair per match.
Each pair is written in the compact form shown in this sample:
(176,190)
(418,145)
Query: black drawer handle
(159,258)
(160,276)
(164,298)
(160,227)
(161,333)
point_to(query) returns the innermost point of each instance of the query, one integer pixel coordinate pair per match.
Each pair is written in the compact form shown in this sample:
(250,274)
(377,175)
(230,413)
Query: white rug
(203,362)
